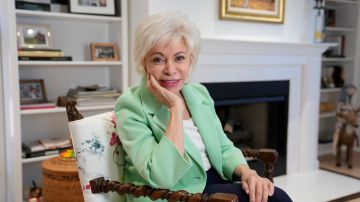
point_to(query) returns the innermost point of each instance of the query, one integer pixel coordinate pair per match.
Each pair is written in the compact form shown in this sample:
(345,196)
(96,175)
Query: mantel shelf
(65,16)
(69,63)
(63,110)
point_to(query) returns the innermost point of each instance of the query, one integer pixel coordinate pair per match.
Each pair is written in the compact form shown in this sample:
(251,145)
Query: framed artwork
(33,36)
(254,10)
(97,7)
(32,91)
(104,52)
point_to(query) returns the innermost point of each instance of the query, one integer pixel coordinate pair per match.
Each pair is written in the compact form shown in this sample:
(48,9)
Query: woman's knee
(279,196)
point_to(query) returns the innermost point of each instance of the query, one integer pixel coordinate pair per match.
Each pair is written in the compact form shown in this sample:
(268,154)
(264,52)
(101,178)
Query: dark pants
(215,184)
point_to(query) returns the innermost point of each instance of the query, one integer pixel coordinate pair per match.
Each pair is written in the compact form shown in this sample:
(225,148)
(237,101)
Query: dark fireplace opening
(254,115)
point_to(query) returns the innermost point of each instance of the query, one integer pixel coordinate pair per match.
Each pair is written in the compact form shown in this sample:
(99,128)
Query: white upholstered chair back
(98,153)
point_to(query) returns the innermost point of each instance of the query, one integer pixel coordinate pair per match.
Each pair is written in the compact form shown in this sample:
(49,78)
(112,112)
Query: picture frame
(104,52)
(34,36)
(330,17)
(269,11)
(95,7)
(339,49)
(32,91)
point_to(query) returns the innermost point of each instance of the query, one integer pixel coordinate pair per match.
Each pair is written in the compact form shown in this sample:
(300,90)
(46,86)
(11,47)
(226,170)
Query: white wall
(205,13)
(298,23)
(2,137)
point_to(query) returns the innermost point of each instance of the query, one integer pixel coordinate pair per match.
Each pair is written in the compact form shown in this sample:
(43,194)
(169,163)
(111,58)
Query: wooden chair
(102,185)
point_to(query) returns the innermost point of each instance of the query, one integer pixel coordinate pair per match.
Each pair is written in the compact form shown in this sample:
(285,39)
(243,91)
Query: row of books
(45,147)
(35,54)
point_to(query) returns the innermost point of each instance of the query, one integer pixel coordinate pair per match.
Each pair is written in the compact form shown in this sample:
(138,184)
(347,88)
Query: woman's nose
(170,67)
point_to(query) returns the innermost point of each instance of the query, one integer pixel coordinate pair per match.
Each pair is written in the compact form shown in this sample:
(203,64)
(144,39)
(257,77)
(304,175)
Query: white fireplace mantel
(224,60)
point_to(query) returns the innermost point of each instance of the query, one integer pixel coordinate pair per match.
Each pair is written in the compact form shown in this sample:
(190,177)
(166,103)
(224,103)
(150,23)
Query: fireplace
(254,115)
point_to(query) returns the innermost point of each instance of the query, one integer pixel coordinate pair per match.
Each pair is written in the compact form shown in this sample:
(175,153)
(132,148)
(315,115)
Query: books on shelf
(44,147)
(41,53)
(37,5)
(44,58)
(47,105)
(55,143)
(93,95)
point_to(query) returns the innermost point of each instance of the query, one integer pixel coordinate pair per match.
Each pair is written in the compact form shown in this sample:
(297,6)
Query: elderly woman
(170,132)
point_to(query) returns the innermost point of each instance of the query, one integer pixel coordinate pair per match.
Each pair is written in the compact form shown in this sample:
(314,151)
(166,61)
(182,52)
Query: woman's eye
(180,58)
(158,60)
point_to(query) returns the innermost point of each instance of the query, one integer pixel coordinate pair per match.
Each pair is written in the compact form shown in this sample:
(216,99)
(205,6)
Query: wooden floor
(327,162)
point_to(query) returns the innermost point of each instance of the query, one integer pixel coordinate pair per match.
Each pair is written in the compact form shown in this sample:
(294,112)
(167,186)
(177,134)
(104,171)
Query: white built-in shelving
(346,26)
(71,33)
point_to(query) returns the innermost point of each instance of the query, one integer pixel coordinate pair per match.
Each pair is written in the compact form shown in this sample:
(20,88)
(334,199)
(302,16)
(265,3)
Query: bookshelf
(346,25)
(72,33)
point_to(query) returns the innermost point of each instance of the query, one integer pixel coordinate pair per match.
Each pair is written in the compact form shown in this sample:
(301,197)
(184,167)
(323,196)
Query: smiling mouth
(169,83)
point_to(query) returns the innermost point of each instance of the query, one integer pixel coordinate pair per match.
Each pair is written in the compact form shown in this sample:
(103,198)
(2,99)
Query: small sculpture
(346,125)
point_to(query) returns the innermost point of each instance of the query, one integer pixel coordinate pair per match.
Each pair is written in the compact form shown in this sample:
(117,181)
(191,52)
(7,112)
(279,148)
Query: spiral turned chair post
(100,185)
(267,156)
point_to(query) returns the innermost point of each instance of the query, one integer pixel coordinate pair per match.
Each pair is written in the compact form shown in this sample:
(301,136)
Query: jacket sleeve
(158,162)
(231,155)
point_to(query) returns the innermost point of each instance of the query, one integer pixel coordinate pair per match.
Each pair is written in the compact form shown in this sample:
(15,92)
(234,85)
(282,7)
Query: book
(43,153)
(85,91)
(55,143)
(37,6)
(47,105)
(41,53)
(45,147)
(38,49)
(30,58)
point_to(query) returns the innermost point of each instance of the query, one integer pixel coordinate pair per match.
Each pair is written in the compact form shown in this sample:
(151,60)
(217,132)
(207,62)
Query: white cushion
(98,153)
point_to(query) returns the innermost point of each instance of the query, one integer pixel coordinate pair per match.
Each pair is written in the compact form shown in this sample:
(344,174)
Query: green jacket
(152,159)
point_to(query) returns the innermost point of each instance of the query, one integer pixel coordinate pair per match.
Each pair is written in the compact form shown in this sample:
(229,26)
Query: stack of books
(96,96)
(45,147)
(37,5)
(35,54)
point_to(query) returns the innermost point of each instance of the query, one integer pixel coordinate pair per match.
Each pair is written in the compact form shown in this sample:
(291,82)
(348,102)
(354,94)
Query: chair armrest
(100,185)
(267,156)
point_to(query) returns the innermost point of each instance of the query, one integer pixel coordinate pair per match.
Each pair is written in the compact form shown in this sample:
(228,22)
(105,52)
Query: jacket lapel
(200,109)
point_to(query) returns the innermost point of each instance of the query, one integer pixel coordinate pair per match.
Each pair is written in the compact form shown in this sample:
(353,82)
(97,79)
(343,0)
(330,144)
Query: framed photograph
(330,17)
(97,7)
(104,52)
(339,49)
(33,36)
(32,91)
(254,10)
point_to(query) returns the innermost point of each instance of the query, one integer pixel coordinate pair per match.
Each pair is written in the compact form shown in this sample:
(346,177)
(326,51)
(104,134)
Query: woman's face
(169,63)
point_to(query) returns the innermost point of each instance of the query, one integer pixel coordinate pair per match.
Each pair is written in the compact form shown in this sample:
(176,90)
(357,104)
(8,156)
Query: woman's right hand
(164,96)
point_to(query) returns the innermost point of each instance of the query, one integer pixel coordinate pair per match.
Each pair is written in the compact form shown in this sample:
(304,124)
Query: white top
(193,132)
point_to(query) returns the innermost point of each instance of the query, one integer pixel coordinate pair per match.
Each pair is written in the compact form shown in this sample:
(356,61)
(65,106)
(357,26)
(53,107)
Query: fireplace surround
(224,60)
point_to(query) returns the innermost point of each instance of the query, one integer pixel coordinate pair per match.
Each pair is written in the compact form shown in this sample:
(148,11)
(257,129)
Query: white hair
(165,27)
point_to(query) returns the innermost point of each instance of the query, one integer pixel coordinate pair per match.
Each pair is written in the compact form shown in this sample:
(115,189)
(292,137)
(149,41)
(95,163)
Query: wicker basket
(61,180)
